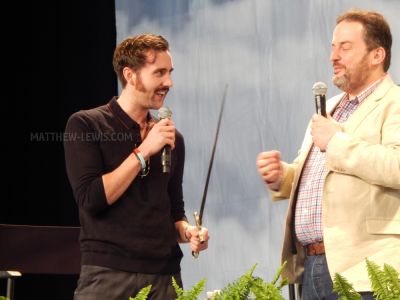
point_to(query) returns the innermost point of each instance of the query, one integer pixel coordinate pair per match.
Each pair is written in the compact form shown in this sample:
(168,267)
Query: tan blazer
(361,196)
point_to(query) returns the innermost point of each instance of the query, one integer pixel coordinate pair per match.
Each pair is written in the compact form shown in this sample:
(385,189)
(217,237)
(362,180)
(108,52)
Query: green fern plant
(239,289)
(385,283)
(392,279)
(142,295)
(270,290)
(251,287)
(344,288)
(191,294)
(3,298)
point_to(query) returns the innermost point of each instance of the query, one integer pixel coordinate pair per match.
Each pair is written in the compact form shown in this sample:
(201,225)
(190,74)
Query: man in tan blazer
(344,186)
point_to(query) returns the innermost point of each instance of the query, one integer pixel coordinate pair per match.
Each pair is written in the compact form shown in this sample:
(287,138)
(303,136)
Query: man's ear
(129,75)
(379,55)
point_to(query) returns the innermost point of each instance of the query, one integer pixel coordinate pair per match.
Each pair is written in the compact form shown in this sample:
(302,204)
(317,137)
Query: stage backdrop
(269,53)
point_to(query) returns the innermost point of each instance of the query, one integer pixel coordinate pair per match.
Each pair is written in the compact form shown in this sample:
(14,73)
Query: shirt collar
(364,93)
(369,90)
(122,116)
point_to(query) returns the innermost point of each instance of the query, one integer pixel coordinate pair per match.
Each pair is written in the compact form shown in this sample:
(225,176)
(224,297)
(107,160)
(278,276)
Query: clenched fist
(269,166)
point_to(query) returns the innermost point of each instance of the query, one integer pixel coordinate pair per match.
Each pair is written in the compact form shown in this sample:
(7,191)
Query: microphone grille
(319,88)
(164,113)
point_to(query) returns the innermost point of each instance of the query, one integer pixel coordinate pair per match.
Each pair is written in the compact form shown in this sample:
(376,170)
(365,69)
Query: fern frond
(284,281)
(251,287)
(278,273)
(393,281)
(239,289)
(194,292)
(142,295)
(191,294)
(265,290)
(178,289)
(344,288)
(377,278)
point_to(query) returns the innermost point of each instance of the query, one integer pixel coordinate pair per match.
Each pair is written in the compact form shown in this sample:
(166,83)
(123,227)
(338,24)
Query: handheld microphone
(165,113)
(319,90)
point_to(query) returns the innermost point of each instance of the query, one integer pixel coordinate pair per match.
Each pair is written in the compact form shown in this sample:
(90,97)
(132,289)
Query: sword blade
(198,218)
(203,200)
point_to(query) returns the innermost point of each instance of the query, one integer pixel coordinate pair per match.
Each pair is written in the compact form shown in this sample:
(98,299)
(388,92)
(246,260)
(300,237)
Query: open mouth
(162,92)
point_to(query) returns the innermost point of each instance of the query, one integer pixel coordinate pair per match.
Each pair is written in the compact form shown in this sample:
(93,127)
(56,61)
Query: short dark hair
(133,52)
(376,30)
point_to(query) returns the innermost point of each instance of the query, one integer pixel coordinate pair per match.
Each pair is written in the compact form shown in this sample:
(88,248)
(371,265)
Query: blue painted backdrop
(269,53)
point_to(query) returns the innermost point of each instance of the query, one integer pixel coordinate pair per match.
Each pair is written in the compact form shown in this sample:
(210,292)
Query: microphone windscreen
(164,113)
(319,88)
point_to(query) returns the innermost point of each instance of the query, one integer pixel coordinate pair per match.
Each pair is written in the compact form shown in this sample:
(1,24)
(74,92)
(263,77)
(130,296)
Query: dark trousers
(317,283)
(100,283)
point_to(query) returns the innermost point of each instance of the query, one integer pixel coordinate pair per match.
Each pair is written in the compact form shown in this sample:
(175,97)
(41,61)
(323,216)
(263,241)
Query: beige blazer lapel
(368,105)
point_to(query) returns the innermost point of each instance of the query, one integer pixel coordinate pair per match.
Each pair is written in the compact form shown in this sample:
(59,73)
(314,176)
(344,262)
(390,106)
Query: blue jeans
(317,283)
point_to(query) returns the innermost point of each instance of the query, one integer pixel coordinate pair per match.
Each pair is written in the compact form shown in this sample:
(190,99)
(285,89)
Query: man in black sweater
(131,211)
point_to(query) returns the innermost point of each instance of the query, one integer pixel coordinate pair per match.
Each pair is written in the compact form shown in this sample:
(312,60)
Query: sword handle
(198,225)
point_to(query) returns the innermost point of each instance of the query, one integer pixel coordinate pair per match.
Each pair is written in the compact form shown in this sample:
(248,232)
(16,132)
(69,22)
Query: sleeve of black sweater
(175,184)
(84,163)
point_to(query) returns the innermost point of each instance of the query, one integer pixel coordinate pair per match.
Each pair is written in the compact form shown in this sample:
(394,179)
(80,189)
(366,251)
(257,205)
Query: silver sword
(198,217)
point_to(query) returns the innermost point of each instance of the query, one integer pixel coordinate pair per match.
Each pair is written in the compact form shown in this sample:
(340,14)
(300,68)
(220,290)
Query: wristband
(140,157)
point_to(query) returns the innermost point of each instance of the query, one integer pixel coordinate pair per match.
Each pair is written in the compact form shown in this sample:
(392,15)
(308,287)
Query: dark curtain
(66,58)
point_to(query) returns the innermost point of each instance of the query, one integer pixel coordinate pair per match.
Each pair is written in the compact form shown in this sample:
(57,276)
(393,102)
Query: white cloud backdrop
(269,53)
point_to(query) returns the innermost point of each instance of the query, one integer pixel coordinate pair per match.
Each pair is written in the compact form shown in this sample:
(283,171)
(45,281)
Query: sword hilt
(198,225)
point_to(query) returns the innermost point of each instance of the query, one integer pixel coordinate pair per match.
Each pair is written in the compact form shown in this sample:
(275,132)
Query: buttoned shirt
(308,213)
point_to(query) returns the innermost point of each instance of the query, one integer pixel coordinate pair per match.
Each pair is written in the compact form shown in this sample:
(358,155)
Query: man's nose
(168,81)
(334,55)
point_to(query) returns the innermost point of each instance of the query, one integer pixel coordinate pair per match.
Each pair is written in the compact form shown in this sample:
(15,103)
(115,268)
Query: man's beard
(139,83)
(141,88)
(354,77)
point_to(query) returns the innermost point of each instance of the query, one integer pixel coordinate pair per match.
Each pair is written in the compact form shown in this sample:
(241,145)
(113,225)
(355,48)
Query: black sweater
(136,233)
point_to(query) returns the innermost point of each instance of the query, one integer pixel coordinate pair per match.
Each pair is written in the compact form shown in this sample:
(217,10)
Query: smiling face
(153,81)
(352,61)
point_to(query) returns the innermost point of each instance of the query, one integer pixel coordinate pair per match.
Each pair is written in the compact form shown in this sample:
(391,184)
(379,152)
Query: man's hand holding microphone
(160,134)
